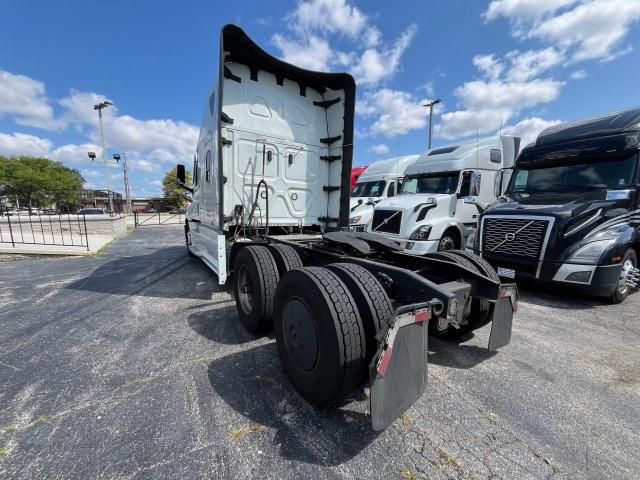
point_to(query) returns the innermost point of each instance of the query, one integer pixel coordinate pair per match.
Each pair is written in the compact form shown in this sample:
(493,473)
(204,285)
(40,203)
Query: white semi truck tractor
(430,214)
(270,210)
(380,180)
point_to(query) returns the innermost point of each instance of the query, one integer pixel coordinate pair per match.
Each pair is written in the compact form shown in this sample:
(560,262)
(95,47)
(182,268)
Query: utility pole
(107,180)
(116,157)
(430,105)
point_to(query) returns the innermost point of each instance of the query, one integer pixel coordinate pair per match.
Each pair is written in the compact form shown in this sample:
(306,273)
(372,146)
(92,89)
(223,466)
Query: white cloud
(532,63)
(72,153)
(79,108)
(508,96)
(379,149)
(585,29)
(529,128)
(489,66)
(313,53)
(377,64)
(396,112)
(314,23)
(24,98)
(523,10)
(16,144)
(578,75)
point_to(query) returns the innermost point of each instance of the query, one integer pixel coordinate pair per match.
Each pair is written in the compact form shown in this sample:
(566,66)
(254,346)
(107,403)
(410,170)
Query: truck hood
(411,205)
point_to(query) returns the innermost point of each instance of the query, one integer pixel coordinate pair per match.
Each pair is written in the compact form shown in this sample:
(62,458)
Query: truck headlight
(354,220)
(421,233)
(590,253)
(470,241)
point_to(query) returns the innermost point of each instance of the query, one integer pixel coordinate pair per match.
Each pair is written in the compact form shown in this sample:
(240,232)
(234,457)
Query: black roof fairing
(239,48)
(602,125)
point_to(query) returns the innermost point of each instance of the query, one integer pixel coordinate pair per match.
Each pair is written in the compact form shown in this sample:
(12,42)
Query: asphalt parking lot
(132,364)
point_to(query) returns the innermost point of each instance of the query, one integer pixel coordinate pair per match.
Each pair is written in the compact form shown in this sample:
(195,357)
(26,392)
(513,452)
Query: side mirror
(475,184)
(181,177)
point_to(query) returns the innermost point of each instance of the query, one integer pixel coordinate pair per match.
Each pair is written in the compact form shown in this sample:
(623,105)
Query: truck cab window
(465,184)
(391,191)
(207,166)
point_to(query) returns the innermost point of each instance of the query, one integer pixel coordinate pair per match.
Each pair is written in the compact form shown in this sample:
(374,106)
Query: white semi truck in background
(429,213)
(270,208)
(380,180)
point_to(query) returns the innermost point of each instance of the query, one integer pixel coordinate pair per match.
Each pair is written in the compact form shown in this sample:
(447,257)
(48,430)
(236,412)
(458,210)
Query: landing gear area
(349,310)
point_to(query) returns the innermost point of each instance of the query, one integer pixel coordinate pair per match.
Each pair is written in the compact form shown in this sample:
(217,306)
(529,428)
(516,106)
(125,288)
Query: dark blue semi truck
(571,213)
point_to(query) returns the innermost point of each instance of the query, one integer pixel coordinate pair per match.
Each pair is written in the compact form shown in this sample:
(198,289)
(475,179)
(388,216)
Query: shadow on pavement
(566,298)
(166,273)
(454,354)
(220,325)
(253,384)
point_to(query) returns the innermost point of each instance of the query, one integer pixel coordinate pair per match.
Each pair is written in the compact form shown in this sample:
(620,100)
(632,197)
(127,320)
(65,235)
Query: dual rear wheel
(325,320)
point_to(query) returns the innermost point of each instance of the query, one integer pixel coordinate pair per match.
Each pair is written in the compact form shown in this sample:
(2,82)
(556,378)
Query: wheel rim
(245,289)
(300,334)
(623,287)
(447,243)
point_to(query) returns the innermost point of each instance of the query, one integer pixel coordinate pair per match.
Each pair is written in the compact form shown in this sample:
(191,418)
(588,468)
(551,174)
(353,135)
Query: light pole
(107,180)
(430,105)
(116,157)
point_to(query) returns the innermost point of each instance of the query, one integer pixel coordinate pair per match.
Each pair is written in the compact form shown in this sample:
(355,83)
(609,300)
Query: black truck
(571,213)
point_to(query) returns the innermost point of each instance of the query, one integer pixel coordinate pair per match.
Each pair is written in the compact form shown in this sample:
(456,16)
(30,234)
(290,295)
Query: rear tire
(286,257)
(255,280)
(319,334)
(373,302)
(622,290)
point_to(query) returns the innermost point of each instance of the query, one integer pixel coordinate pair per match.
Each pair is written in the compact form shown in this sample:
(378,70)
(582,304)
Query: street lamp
(430,105)
(99,107)
(116,157)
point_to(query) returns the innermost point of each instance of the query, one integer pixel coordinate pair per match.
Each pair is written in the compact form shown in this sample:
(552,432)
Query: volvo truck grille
(387,221)
(514,237)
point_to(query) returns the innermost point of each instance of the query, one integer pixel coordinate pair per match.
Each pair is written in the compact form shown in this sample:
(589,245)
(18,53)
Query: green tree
(172,192)
(38,182)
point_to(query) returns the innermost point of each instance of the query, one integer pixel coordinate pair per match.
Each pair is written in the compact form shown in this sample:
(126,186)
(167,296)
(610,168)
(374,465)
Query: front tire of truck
(450,240)
(629,261)
(255,281)
(319,334)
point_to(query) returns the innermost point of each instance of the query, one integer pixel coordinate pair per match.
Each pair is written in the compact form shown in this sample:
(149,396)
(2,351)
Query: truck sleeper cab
(348,309)
(571,213)
(381,180)
(429,214)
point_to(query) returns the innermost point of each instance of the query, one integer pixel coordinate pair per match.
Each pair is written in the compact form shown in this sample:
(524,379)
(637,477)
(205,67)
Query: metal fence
(18,228)
(146,219)
(58,202)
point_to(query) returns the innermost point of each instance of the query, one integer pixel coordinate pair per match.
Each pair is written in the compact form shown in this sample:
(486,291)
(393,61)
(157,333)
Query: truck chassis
(350,310)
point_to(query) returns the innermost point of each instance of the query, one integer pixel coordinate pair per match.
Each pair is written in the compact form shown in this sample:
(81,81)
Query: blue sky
(524,64)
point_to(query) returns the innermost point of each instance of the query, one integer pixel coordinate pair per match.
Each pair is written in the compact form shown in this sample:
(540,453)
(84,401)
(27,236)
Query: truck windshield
(431,183)
(592,175)
(368,189)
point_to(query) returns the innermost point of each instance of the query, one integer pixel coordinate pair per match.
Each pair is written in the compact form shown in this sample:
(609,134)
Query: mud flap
(398,375)
(502,323)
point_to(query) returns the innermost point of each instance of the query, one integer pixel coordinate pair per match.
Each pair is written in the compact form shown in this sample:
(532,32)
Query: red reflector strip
(384,361)
(422,315)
